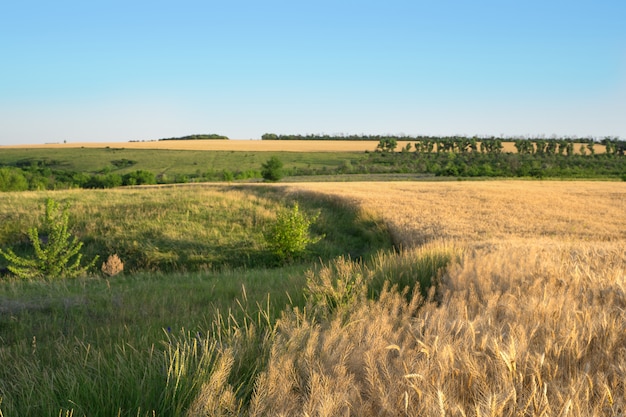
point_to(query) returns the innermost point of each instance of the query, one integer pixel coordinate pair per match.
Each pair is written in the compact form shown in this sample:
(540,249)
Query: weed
(112,266)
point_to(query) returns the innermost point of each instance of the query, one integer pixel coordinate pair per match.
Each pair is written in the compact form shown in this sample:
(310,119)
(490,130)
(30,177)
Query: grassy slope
(169,229)
(96,346)
(170,162)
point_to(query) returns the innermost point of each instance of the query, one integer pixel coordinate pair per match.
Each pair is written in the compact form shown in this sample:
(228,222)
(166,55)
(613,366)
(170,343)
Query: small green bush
(139,177)
(272,169)
(12,179)
(290,235)
(58,256)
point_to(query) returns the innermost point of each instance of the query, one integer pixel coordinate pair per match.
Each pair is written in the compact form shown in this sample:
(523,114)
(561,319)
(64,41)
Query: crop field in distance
(250,145)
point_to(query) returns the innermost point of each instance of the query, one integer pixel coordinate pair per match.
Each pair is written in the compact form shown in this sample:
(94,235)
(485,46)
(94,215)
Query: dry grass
(514,332)
(530,321)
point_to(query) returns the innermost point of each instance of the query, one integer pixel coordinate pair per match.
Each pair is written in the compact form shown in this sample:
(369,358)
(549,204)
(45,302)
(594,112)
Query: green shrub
(139,177)
(272,169)
(290,235)
(53,256)
(12,179)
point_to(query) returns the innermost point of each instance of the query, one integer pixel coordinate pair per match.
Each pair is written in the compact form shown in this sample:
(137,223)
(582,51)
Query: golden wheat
(530,321)
(252,145)
(489,212)
(540,335)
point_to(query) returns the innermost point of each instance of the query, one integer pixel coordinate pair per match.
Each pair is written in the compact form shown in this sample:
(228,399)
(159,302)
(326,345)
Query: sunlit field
(529,321)
(504,298)
(249,145)
(229,145)
(491,212)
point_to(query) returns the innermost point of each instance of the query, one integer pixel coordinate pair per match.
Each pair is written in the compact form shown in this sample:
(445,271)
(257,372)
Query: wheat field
(529,320)
(239,145)
(250,145)
(490,212)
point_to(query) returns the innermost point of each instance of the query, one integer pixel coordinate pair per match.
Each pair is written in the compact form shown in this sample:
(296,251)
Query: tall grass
(514,331)
(147,341)
(129,345)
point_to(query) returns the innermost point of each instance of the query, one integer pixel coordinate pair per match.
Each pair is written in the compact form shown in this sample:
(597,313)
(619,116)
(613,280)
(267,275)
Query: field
(491,212)
(242,145)
(226,145)
(529,321)
(520,310)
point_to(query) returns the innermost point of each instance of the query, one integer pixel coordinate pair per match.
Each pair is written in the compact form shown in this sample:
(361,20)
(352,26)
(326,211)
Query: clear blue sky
(139,70)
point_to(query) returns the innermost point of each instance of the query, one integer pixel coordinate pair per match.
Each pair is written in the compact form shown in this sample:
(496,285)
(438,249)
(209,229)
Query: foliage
(290,235)
(133,344)
(12,179)
(57,256)
(139,177)
(123,163)
(198,137)
(387,145)
(272,169)
(109,180)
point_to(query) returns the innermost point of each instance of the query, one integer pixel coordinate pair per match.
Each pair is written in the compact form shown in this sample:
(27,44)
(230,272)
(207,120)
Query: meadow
(168,161)
(502,298)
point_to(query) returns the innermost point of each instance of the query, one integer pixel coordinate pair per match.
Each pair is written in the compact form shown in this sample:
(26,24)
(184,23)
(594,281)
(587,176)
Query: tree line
(495,146)
(428,139)
(40,177)
(198,137)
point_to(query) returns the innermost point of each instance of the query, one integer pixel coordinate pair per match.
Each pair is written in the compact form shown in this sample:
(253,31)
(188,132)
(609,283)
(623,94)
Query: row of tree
(198,137)
(426,138)
(477,164)
(495,146)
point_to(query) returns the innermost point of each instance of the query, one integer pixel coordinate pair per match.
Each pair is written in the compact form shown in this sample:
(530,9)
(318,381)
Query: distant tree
(387,145)
(198,137)
(272,169)
(108,180)
(269,136)
(139,177)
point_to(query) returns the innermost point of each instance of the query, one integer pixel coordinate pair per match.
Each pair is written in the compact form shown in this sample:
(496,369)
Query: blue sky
(140,70)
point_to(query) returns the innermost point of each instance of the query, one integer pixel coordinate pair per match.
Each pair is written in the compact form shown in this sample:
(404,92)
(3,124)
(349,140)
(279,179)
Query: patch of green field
(99,347)
(187,229)
(167,162)
(103,347)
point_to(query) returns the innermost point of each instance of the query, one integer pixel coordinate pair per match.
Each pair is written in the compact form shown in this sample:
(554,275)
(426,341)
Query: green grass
(198,279)
(169,162)
(97,346)
(188,229)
